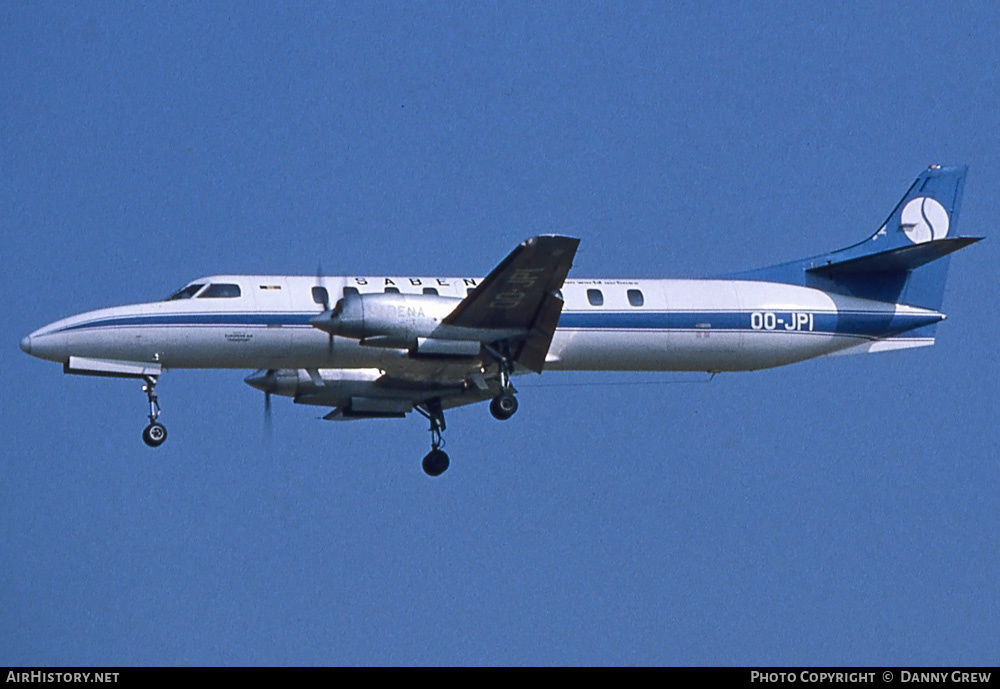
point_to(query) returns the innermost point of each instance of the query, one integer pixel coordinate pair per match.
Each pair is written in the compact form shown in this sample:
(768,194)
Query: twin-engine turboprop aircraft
(378,347)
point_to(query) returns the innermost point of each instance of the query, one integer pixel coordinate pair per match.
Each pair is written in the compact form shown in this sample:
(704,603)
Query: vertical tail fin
(905,261)
(928,211)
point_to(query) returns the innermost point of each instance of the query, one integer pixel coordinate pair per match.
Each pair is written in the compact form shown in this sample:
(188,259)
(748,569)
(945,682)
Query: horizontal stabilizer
(904,258)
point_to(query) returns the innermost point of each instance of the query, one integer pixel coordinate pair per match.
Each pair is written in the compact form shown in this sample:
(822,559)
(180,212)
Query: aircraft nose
(26,344)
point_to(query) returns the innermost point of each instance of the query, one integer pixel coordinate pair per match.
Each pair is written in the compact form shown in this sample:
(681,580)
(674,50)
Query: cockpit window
(185,293)
(221,290)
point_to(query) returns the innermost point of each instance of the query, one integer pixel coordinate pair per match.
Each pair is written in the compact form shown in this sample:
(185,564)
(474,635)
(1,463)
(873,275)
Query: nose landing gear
(154,434)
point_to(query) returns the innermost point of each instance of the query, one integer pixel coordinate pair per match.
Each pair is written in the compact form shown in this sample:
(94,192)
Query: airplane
(382,347)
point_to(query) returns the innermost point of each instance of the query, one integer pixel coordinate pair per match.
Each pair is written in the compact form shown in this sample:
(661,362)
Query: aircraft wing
(516,307)
(522,293)
(399,391)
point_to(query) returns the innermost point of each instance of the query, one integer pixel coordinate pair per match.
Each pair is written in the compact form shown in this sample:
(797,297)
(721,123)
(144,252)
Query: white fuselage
(606,324)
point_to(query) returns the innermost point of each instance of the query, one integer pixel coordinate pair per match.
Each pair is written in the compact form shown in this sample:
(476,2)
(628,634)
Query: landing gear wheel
(154,435)
(503,406)
(436,462)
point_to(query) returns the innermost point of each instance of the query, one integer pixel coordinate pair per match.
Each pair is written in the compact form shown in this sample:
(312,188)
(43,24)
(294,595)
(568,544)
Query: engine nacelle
(353,391)
(387,320)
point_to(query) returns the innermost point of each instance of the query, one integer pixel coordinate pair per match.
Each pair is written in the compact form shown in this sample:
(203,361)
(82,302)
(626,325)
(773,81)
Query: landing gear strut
(503,405)
(155,433)
(436,462)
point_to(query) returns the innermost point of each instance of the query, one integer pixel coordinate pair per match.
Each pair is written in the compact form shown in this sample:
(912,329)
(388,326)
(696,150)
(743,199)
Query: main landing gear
(155,433)
(436,462)
(504,405)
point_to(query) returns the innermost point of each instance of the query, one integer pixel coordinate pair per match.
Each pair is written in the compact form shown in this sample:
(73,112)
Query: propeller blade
(322,283)
(326,307)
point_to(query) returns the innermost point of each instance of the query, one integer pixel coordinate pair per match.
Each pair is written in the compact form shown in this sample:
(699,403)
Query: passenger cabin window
(430,290)
(221,290)
(320,295)
(351,290)
(392,290)
(635,297)
(595,297)
(185,293)
(470,290)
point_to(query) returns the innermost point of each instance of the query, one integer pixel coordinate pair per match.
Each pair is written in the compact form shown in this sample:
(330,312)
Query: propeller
(322,283)
(266,381)
(326,307)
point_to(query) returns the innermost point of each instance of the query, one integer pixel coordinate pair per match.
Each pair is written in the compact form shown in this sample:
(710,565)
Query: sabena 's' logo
(924,219)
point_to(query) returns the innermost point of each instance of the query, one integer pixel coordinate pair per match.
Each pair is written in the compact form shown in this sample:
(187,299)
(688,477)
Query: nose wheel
(436,461)
(155,433)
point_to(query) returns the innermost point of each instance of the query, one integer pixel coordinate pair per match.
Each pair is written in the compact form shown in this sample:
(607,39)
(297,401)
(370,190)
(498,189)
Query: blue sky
(839,511)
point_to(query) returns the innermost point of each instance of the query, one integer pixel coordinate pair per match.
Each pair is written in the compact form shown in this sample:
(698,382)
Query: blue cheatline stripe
(842,323)
(235,319)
